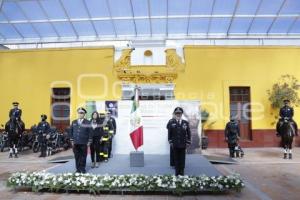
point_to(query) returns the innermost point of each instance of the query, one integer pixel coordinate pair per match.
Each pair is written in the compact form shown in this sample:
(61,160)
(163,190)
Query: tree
(286,88)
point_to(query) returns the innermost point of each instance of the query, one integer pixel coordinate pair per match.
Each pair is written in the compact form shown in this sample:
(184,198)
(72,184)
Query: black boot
(182,172)
(285,156)
(177,172)
(290,155)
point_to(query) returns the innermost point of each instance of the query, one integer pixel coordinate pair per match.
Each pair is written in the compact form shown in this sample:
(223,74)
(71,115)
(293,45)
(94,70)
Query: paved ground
(266,174)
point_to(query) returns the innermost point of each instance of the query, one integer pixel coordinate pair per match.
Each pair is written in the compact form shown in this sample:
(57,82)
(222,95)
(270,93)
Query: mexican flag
(136,128)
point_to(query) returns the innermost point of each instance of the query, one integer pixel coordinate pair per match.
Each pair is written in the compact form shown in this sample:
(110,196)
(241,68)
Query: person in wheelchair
(43,130)
(286,113)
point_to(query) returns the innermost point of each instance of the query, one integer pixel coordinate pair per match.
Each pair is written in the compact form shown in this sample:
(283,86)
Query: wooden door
(241,109)
(60,108)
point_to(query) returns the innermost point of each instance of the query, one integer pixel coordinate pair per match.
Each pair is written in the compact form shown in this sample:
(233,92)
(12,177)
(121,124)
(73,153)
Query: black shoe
(16,155)
(10,155)
(290,156)
(285,156)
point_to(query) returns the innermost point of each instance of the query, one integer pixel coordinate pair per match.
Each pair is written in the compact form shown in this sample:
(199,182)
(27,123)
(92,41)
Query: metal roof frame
(288,33)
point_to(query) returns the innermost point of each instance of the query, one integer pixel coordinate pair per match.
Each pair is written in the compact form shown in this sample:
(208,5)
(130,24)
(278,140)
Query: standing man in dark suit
(81,138)
(179,136)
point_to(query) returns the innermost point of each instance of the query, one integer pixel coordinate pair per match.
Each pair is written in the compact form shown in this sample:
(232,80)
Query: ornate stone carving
(173,60)
(124,61)
(148,74)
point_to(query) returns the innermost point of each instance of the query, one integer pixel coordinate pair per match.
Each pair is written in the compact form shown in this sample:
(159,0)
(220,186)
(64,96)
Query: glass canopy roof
(42,21)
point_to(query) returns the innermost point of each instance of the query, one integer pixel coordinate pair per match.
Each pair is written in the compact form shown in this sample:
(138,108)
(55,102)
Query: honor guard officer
(286,112)
(179,136)
(43,130)
(81,138)
(171,149)
(113,132)
(15,112)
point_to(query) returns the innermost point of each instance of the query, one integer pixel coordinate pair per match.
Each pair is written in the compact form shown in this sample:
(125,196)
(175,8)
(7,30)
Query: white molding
(168,43)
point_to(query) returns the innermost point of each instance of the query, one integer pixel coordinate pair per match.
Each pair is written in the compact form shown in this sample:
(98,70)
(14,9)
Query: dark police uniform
(288,113)
(80,135)
(43,129)
(172,164)
(15,113)
(179,136)
(113,131)
(232,133)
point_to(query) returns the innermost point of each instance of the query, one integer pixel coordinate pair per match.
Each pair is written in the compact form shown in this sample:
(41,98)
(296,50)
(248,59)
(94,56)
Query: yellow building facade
(28,76)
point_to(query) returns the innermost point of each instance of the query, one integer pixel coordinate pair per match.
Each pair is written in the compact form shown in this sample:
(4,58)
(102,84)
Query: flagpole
(136,98)
(136,133)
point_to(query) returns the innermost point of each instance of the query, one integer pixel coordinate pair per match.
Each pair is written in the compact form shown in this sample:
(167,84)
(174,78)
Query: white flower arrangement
(91,183)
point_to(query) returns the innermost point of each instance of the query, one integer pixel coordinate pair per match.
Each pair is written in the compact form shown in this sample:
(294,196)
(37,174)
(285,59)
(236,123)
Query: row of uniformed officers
(99,131)
(96,133)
